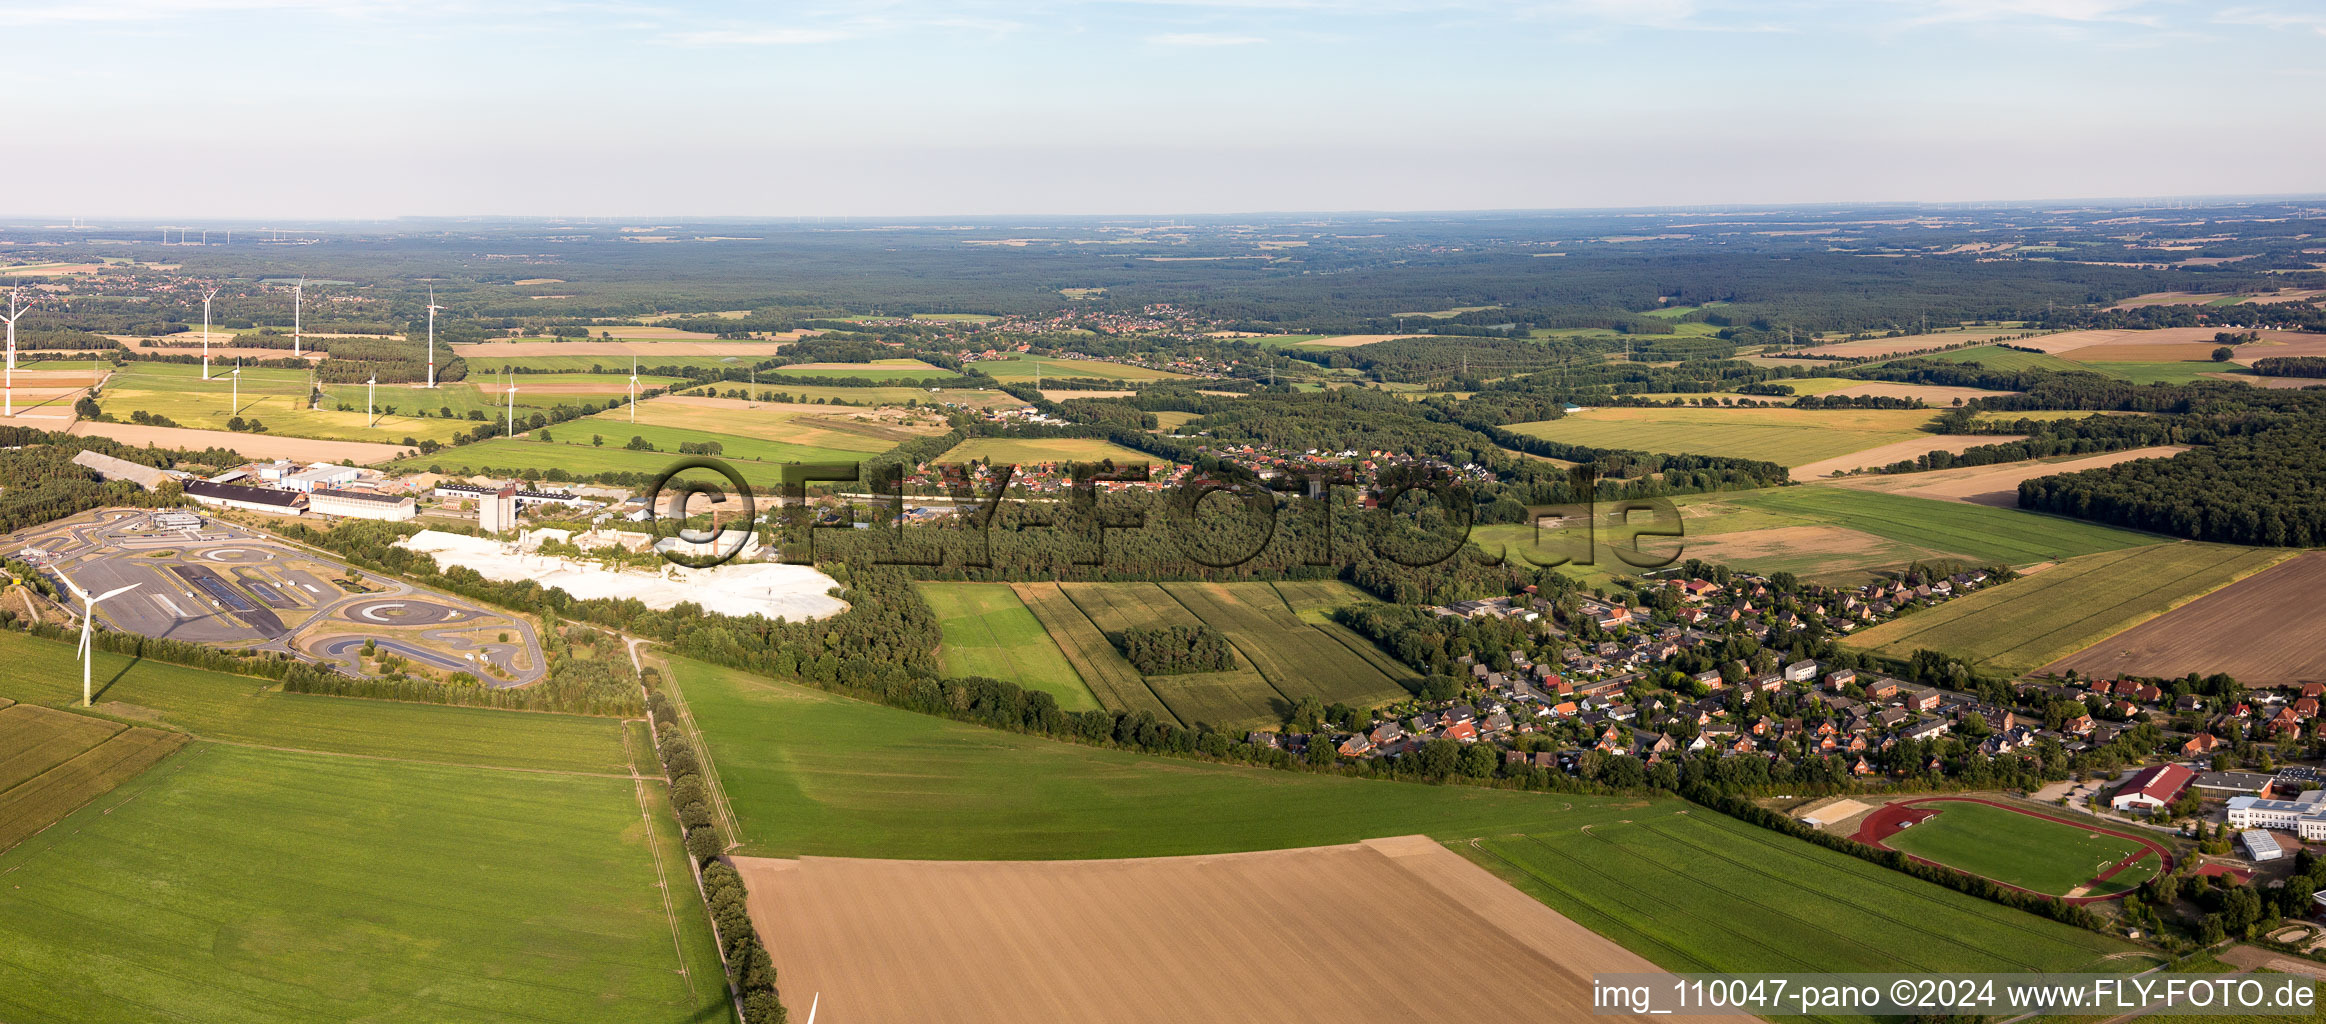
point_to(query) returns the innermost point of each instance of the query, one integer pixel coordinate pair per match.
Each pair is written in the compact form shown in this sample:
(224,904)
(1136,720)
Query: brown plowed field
(2262,629)
(1996,485)
(1341,933)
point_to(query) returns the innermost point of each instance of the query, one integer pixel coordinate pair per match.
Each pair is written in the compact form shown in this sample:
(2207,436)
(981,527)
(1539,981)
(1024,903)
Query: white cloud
(1204,39)
(2314,20)
(767,36)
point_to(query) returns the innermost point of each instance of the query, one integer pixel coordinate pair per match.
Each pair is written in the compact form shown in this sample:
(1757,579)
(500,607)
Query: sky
(329,109)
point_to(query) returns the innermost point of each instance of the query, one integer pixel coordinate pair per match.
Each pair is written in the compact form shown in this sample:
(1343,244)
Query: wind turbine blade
(819,997)
(74,587)
(111,594)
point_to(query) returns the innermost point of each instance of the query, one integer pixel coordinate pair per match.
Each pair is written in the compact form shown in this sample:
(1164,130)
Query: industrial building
(110,468)
(321,474)
(2152,788)
(362,504)
(497,512)
(252,499)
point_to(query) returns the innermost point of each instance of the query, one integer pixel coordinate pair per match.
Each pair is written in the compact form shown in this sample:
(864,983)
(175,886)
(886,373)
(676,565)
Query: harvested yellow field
(255,446)
(624,349)
(1897,451)
(1232,937)
(1350,340)
(1997,485)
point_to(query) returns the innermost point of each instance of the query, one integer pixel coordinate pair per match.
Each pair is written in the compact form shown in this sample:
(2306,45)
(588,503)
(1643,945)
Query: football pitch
(2036,854)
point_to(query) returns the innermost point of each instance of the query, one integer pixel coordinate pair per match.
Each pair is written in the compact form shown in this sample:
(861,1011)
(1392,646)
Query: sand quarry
(771,589)
(1284,935)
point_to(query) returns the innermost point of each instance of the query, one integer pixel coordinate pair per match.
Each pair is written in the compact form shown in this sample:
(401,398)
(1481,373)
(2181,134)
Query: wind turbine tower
(89,615)
(432,308)
(512,402)
(369,387)
(298,297)
(206,297)
(633,375)
(8,388)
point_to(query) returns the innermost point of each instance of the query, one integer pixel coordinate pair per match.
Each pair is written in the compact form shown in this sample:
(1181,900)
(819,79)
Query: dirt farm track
(1888,820)
(1308,934)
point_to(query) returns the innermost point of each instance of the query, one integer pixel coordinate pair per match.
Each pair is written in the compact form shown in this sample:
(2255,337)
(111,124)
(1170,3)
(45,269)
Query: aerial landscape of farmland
(1098,512)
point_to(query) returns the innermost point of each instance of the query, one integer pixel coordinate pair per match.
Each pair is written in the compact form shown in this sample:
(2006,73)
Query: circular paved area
(403,611)
(238,555)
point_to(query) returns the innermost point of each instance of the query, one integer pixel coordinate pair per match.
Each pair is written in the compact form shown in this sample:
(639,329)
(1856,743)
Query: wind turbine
(206,297)
(234,403)
(88,615)
(297,296)
(8,399)
(432,308)
(512,401)
(633,374)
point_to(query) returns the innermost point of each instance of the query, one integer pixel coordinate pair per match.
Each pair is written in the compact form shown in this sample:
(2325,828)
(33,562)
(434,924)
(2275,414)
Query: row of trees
(746,957)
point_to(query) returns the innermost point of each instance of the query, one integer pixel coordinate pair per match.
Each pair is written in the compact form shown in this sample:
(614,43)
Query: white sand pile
(793,592)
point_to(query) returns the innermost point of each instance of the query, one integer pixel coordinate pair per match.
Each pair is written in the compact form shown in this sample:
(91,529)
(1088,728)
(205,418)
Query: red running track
(1889,819)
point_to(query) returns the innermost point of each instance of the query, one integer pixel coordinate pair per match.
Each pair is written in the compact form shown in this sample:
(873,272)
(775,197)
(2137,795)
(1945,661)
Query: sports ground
(2079,861)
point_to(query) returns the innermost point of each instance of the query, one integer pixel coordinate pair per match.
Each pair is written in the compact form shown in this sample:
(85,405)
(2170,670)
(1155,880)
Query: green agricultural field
(878,395)
(1996,357)
(1694,890)
(278,398)
(1783,435)
(240,709)
(2164,373)
(1832,534)
(811,773)
(232,883)
(1294,656)
(52,762)
(1976,532)
(616,366)
(1033,450)
(840,429)
(1110,677)
(2023,625)
(879,369)
(1027,366)
(617,430)
(988,632)
(2017,849)
(1240,698)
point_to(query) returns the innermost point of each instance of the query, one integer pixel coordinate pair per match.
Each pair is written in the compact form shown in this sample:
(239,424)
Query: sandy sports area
(1323,933)
(1997,485)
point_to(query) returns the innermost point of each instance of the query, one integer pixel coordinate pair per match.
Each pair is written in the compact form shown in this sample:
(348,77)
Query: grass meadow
(1783,435)
(232,883)
(2031,622)
(988,632)
(2045,856)
(240,709)
(1694,890)
(1978,532)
